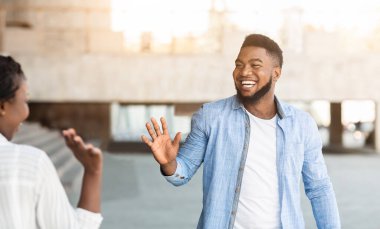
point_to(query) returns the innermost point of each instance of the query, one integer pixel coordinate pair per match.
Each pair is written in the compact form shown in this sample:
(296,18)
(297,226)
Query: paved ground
(135,195)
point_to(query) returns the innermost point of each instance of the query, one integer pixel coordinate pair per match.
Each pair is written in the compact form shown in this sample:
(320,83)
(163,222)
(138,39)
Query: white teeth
(246,82)
(248,86)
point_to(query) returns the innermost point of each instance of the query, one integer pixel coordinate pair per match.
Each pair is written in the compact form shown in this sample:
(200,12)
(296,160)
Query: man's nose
(246,71)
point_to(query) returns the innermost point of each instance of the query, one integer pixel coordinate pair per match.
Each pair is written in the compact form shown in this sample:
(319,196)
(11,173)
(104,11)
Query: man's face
(254,73)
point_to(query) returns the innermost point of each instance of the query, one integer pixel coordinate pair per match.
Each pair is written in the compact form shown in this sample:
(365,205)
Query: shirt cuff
(88,219)
(178,174)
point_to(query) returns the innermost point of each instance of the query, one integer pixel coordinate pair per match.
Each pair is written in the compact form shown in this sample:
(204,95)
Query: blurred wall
(70,55)
(69,46)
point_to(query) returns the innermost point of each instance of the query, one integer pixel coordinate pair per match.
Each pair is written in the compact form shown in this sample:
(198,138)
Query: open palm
(163,148)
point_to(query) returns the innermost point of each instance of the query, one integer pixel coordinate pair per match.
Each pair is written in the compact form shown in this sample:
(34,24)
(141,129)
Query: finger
(146,141)
(68,141)
(89,147)
(164,126)
(65,134)
(79,143)
(71,133)
(177,138)
(151,131)
(68,138)
(156,127)
(96,151)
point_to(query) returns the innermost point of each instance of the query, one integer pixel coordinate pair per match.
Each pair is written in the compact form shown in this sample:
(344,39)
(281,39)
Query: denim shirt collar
(281,112)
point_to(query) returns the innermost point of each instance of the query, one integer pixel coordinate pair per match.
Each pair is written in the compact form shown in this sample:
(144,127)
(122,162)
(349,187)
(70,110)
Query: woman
(31,195)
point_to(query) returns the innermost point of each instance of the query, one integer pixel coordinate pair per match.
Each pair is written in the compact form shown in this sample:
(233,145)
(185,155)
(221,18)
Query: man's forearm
(324,206)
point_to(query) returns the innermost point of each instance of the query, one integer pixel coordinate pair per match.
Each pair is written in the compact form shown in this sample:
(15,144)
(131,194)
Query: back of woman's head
(11,76)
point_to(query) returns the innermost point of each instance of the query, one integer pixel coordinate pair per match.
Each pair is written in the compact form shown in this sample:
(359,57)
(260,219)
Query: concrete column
(336,127)
(377,127)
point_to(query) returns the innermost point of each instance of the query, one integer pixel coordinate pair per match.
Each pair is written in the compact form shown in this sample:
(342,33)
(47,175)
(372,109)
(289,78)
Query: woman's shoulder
(27,155)
(20,150)
(29,151)
(23,163)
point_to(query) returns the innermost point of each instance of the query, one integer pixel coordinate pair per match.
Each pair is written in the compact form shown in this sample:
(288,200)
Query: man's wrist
(169,168)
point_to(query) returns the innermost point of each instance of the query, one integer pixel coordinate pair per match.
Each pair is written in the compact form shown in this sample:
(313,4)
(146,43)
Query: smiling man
(254,148)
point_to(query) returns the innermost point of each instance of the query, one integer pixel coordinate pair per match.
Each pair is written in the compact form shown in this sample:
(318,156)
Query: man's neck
(265,108)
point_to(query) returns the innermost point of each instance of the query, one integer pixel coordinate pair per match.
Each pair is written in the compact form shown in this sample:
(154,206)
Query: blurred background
(105,67)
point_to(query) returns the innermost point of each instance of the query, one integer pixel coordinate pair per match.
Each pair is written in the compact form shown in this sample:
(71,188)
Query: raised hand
(89,156)
(92,160)
(163,148)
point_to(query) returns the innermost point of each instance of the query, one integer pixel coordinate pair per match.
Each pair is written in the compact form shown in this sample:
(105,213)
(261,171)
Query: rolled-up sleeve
(191,153)
(178,178)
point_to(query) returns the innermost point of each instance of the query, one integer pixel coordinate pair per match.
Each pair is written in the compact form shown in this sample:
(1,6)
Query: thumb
(177,138)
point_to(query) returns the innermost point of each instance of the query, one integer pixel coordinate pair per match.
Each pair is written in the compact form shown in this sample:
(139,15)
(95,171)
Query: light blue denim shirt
(219,139)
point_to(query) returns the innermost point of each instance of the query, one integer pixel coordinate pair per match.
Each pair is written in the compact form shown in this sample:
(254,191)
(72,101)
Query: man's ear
(276,73)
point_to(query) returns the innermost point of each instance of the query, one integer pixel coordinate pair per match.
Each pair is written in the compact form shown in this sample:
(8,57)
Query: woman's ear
(2,109)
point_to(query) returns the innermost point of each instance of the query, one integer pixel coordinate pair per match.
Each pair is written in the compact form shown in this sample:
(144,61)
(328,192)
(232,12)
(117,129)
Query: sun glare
(164,20)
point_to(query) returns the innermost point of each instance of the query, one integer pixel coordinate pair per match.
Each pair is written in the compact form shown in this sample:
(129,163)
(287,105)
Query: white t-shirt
(31,195)
(259,205)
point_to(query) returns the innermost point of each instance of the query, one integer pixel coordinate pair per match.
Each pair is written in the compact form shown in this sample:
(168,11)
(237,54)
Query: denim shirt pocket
(293,158)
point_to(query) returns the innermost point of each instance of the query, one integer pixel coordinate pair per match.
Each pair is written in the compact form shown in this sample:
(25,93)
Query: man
(254,149)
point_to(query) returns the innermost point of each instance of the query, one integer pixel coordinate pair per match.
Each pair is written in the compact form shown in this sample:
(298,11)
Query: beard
(255,97)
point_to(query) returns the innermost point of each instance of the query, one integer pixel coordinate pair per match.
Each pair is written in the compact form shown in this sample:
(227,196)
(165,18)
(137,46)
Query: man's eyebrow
(250,60)
(255,59)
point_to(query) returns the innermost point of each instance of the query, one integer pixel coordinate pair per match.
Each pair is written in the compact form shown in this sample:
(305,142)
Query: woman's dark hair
(11,76)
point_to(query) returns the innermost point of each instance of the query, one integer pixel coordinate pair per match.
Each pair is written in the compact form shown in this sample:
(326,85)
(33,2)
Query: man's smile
(248,83)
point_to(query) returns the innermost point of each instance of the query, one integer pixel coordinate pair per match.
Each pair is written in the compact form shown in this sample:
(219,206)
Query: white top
(31,195)
(259,205)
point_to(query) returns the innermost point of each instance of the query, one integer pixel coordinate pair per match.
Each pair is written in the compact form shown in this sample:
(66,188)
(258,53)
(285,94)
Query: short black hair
(259,40)
(11,75)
